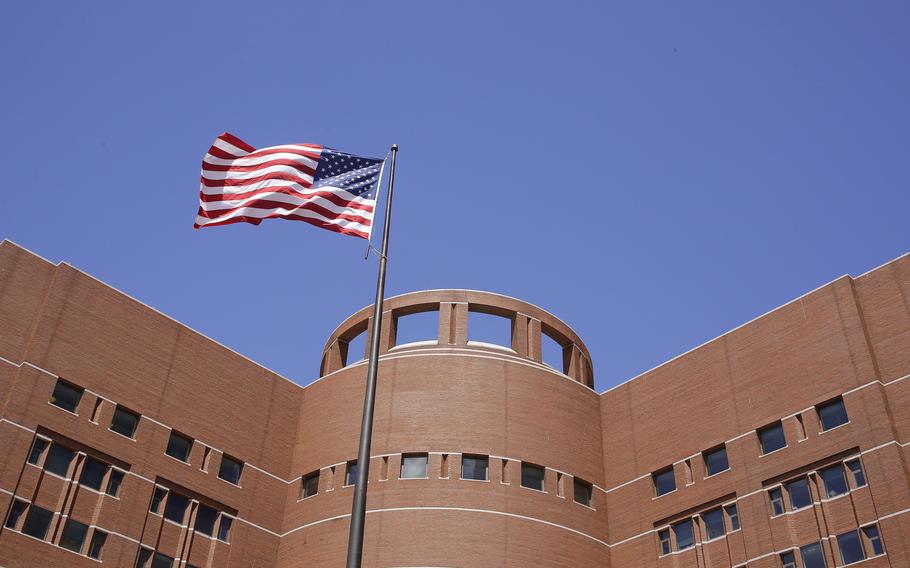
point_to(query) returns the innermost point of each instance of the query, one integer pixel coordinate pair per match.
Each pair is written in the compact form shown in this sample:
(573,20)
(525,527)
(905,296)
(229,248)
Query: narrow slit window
(663,536)
(115,480)
(384,469)
(96,546)
(157,498)
(856,470)
(776,498)
(15,513)
(800,427)
(38,447)
(96,412)
(444,466)
(350,474)
(874,540)
(687,471)
(505,471)
(224,528)
(733,515)
(560,485)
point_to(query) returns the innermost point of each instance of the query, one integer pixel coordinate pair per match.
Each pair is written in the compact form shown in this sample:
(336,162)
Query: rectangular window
(350,474)
(15,512)
(813,556)
(157,498)
(144,555)
(685,536)
(532,476)
(66,396)
(230,469)
(716,460)
(835,481)
(224,528)
(664,481)
(205,519)
(581,491)
(663,536)
(777,501)
(875,541)
(37,522)
(798,490)
(38,447)
(175,508)
(714,523)
(788,560)
(93,473)
(851,547)
(475,467)
(58,460)
(309,485)
(162,561)
(733,515)
(124,421)
(114,482)
(73,537)
(832,414)
(856,469)
(413,466)
(772,438)
(178,446)
(96,546)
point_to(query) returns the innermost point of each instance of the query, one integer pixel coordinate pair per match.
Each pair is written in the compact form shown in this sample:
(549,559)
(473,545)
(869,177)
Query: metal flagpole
(358,508)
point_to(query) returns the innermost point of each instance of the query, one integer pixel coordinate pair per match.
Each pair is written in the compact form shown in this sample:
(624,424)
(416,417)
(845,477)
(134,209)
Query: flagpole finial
(394,147)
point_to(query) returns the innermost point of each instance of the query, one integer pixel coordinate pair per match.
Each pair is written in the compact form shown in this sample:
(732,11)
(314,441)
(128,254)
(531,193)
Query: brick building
(129,439)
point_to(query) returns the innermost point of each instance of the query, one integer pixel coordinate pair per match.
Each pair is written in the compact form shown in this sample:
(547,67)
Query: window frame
(734,517)
(69,463)
(776,500)
(350,473)
(477,458)
(656,477)
(78,526)
(37,510)
(66,384)
(714,451)
(664,542)
(796,483)
(857,477)
(425,457)
(788,562)
(529,467)
(304,479)
(675,526)
(812,546)
(588,495)
(843,476)
(119,412)
(828,404)
(97,535)
(707,524)
(774,426)
(879,548)
(843,539)
(175,435)
(228,458)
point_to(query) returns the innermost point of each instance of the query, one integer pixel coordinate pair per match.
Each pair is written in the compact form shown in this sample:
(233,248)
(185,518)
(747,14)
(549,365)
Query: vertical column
(575,367)
(520,344)
(534,340)
(453,323)
(333,358)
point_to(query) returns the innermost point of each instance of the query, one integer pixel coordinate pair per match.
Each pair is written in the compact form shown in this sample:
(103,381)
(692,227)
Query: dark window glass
(15,512)
(350,473)
(733,514)
(856,468)
(162,561)
(788,560)
(851,547)
(144,555)
(685,537)
(114,482)
(835,481)
(58,460)
(66,396)
(73,537)
(205,519)
(813,557)
(175,508)
(799,493)
(230,469)
(413,466)
(37,521)
(309,486)
(664,481)
(777,501)
(475,467)
(832,414)
(714,523)
(532,476)
(95,547)
(178,446)
(93,473)
(582,491)
(224,528)
(874,539)
(124,422)
(38,447)
(157,498)
(664,537)
(772,438)
(716,460)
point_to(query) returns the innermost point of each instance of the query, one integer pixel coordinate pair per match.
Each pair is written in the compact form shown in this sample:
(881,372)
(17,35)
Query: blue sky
(655,174)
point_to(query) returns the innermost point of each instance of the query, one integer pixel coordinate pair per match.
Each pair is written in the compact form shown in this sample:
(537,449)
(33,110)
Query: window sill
(184,462)
(68,411)
(664,495)
(469,479)
(832,429)
(716,474)
(773,451)
(123,435)
(533,489)
(589,507)
(231,483)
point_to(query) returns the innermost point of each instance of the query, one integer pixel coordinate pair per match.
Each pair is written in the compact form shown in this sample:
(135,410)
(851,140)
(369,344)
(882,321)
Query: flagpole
(358,507)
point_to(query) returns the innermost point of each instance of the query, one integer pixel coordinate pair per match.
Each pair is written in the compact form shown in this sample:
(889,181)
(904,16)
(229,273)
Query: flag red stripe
(333,197)
(316,222)
(268,204)
(231,139)
(250,181)
(229,168)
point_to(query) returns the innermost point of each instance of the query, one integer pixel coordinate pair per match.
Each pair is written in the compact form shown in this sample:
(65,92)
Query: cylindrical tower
(482,454)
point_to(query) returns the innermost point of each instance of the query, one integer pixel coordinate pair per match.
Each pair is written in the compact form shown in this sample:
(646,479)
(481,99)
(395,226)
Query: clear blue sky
(655,174)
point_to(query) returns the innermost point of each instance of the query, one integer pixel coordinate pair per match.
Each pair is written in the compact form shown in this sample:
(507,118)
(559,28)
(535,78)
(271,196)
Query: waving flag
(302,182)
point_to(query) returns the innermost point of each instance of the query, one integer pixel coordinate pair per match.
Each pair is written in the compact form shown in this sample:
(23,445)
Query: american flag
(302,182)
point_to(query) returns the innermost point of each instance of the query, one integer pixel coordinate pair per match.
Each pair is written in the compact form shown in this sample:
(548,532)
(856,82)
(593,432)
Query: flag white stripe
(265,184)
(229,148)
(213,206)
(218,176)
(255,161)
(262,213)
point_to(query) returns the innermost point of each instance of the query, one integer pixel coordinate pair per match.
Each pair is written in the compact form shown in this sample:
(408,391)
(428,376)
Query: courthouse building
(129,439)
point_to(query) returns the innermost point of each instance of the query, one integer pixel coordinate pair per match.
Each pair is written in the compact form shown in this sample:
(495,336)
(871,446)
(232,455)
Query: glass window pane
(835,481)
(38,448)
(733,515)
(582,492)
(144,555)
(772,438)
(856,468)
(350,474)
(716,460)
(205,519)
(788,560)
(813,557)
(95,548)
(851,547)
(832,414)
(14,513)
(224,529)
(799,493)
(179,446)
(475,467)
(162,561)
(664,481)
(230,469)
(93,473)
(685,536)
(124,422)
(73,536)
(874,539)
(532,476)
(175,508)
(310,485)
(777,501)
(66,396)
(414,466)
(58,460)
(114,482)
(664,537)
(37,522)
(157,498)
(714,523)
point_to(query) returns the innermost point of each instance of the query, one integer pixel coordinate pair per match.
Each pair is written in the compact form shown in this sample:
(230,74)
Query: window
(419,326)
(685,536)
(835,481)
(813,557)
(798,491)
(413,466)
(114,482)
(733,515)
(230,469)
(350,474)
(205,519)
(489,328)
(124,421)
(772,438)
(581,491)
(144,555)
(777,501)
(309,485)
(832,414)
(663,536)
(66,396)
(162,561)
(37,521)
(58,460)
(716,460)
(93,473)
(157,498)
(224,529)
(475,467)
(96,546)
(851,547)
(788,560)
(532,476)
(714,523)
(856,468)
(73,537)
(15,512)
(664,481)
(175,508)
(178,446)
(38,447)
(875,541)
